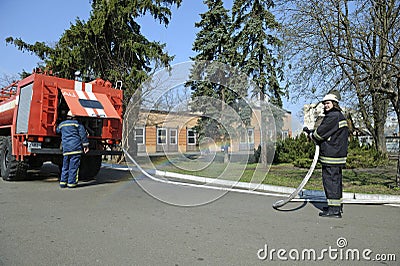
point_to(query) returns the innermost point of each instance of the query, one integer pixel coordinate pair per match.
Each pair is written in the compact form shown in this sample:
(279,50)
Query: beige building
(311,114)
(168,132)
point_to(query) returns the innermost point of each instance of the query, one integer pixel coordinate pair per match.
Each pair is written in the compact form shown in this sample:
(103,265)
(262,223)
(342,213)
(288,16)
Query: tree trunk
(380,109)
(226,154)
(398,168)
(263,132)
(380,140)
(395,99)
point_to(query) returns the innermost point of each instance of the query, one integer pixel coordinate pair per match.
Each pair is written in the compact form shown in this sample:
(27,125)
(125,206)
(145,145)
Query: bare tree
(342,44)
(6,80)
(352,46)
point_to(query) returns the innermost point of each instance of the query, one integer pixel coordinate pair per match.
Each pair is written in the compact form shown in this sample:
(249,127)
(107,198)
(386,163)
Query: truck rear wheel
(90,167)
(10,168)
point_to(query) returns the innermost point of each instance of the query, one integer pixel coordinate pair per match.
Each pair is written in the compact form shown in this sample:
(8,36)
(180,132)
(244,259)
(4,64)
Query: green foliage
(212,41)
(292,149)
(244,41)
(364,156)
(300,151)
(302,162)
(255,45)
(257,153)
(270,157)
(109,45)
(211,94)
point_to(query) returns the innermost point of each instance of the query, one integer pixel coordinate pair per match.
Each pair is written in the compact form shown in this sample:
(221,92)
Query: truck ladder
(49,105)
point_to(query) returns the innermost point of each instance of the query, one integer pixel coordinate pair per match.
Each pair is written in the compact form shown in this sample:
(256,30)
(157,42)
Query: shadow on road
(318,205)
(50,173)
(106,176)
(287,209)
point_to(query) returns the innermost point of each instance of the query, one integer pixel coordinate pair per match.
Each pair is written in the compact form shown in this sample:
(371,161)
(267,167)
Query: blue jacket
(73,137)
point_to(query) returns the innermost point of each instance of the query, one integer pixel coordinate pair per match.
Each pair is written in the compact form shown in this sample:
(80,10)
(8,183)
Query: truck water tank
(7,111)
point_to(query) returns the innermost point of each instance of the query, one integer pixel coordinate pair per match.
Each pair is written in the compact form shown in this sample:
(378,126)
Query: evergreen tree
(255,52)
(109,45)
(209,74)
(255,46)
(213,37)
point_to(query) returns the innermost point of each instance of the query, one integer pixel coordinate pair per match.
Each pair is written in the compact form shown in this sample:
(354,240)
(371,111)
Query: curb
(304,195)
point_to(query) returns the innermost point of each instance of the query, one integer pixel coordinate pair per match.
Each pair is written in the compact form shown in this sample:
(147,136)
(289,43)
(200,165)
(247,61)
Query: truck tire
(10,168)
(90,167)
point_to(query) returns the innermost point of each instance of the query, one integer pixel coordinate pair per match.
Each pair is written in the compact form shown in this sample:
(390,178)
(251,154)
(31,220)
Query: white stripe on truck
(91,95)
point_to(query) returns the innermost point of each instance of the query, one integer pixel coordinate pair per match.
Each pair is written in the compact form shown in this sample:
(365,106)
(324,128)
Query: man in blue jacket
(74,142)
(332,136)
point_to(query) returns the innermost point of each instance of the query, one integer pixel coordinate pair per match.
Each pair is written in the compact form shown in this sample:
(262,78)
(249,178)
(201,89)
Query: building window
(139,135)
(173,136)
(191,137)
(250,133)
(250,136)
(161,136)
(285,134)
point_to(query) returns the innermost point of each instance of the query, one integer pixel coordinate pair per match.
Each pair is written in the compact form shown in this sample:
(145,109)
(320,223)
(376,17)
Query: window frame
(250,137)
(143,135)
(188,130)
(175,138)
(160,129)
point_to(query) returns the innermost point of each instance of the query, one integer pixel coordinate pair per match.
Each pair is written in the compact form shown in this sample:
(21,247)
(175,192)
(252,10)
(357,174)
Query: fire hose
(283,202)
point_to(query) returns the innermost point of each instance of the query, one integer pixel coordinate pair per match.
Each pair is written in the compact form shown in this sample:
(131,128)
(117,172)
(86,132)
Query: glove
(309,134)
(305,129)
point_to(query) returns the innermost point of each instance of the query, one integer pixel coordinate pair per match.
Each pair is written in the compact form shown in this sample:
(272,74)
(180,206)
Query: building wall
(151,139)
(287,125)
(151,121)
(311,113)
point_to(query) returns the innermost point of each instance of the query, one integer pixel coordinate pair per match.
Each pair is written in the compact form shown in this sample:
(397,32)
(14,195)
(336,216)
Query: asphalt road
(112,221)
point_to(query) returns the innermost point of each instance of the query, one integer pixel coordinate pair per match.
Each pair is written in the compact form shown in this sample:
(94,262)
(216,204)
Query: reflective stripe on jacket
(73,137)
(332,136)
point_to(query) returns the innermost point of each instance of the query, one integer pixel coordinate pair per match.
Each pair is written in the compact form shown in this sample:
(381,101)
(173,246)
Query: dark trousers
(70,169)
(332,180)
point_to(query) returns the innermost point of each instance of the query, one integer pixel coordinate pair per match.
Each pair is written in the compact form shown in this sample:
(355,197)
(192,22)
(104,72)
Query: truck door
(24,107)
(89,104)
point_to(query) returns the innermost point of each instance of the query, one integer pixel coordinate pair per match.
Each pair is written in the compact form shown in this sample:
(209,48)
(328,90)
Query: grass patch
(377,180)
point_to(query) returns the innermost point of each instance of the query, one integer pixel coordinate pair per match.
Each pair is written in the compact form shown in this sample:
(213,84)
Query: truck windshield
(91,104)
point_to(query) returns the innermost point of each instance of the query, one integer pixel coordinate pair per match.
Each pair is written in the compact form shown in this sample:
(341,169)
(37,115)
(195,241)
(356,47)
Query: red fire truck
(31,109)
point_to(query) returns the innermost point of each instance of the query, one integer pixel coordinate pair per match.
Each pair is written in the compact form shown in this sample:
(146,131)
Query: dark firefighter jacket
(73,137)
(332,136)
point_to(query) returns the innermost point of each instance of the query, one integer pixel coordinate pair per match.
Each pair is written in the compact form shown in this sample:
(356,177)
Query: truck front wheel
(10,168)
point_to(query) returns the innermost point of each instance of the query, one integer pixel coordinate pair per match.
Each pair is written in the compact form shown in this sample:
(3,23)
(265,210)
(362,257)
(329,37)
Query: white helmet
(330,97)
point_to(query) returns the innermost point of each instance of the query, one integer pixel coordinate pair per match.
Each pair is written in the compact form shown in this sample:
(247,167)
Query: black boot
(325,209)
(332,212)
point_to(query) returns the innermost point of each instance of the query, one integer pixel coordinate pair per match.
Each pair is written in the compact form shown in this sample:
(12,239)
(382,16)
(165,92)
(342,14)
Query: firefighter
(74,141)
(332,136)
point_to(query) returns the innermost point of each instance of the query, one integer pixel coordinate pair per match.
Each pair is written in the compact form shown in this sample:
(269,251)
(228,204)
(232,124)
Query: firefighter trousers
(70,169)
(332,181)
